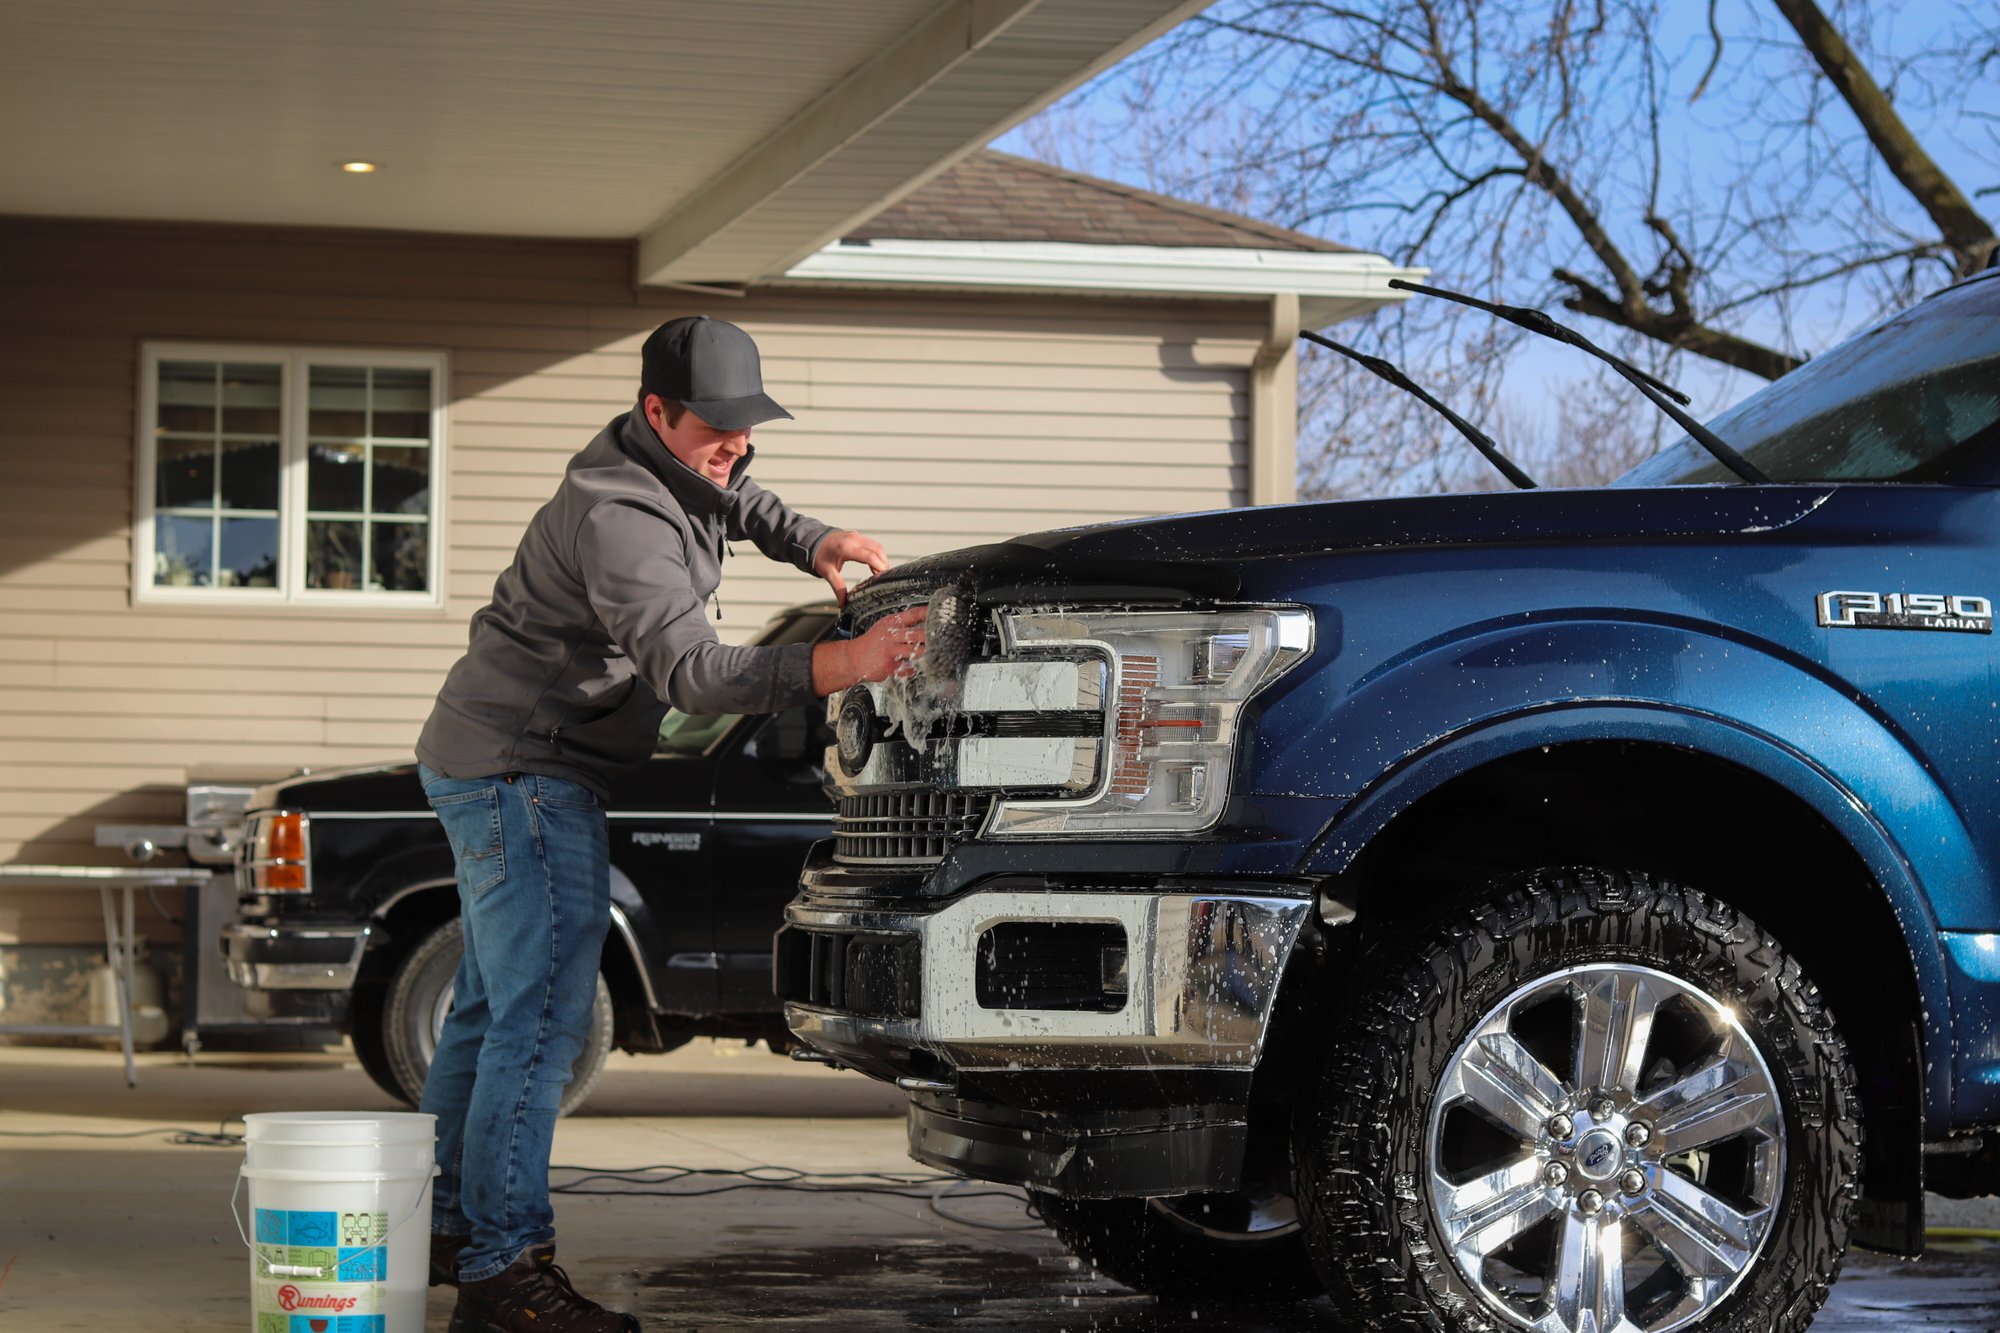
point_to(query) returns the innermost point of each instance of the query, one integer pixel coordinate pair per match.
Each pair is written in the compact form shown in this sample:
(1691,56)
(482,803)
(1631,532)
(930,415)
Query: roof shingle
(994,196)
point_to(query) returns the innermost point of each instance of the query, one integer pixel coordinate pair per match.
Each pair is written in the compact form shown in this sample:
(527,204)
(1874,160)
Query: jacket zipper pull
(552,734)
(716,602)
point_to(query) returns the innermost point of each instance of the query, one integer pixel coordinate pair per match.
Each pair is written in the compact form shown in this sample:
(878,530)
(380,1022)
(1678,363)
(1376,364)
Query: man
(599,619)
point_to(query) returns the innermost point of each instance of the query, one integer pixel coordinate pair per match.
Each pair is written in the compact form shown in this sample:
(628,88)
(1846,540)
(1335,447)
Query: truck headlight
(1177,683)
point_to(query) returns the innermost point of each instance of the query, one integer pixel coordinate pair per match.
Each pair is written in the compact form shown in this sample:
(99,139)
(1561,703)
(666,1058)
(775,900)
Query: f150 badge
(1905,610)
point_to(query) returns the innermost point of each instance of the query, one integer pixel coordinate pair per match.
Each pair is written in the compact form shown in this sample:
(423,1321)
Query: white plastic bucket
(340,1208)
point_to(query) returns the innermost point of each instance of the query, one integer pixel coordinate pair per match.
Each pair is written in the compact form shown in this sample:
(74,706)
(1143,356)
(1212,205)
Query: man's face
(710,452)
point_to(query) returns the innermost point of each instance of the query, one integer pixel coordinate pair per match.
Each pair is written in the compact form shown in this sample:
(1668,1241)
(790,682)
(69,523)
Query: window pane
(402,480)
(249,475)
(186,475)
(187,396)
(402,557)
(181,552)
(337,400)
(333,555)
(334,474)
(402,402)
(249,553)
(250,399)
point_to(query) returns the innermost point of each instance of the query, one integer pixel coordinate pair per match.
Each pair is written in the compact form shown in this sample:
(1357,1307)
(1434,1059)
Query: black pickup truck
(348,910)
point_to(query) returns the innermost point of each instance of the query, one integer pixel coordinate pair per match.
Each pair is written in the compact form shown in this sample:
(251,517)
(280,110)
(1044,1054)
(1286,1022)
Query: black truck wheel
(1585,1100)
(364,1018)
(1234,1248)
(419,996)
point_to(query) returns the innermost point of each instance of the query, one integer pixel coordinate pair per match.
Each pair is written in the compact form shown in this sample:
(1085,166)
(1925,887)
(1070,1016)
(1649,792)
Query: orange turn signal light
(286,850)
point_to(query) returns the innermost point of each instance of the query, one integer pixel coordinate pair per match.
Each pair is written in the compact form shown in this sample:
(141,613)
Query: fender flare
(1771,757)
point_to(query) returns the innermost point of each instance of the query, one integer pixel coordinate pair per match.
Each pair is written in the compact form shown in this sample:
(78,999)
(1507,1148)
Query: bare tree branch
(1715,59)
(1702,189)
(1967,233)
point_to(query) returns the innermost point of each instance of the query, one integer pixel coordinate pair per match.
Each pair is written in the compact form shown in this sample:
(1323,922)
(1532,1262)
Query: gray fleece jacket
(601,617)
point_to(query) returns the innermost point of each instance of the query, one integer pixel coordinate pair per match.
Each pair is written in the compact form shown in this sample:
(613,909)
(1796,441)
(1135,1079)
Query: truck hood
(1200,555)
(391,786)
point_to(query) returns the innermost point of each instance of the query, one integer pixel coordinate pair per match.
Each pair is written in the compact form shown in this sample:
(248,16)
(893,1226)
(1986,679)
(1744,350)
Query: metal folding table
(119,935)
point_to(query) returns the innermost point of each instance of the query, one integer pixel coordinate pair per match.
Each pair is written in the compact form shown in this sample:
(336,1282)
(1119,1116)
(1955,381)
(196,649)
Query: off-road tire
(1148,1246)
(411,1003)
(365,1034)
(1360,1140)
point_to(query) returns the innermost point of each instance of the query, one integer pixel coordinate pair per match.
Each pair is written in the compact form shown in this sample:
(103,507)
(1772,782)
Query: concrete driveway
(134,1232)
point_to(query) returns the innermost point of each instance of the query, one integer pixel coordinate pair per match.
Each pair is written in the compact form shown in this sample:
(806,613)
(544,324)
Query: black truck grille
(878,976)
(914,826)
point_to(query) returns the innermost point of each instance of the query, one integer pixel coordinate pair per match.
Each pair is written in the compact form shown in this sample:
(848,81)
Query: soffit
(589,119)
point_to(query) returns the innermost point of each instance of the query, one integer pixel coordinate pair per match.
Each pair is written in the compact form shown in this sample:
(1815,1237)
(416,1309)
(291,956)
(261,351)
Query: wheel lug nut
(1603,1108)
(1633,1181)
(1638,1134)
(1560,1127)
(1590,1201)
(1556,1174)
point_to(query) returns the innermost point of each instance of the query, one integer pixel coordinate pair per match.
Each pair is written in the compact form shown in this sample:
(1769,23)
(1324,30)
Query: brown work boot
(532,1295)
(444,1259)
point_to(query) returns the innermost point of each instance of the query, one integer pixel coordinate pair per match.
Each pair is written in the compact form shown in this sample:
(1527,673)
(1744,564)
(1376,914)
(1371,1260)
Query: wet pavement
(1026,1283)
(100,1233)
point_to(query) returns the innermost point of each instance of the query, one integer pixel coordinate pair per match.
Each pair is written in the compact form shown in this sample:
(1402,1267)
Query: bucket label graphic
(305,1258)
(364,1228)
(369,1265)
(313,1279)
(324,1308)
(311,1323)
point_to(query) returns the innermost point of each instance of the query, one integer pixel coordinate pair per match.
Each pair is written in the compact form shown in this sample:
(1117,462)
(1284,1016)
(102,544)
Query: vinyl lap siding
(928,423)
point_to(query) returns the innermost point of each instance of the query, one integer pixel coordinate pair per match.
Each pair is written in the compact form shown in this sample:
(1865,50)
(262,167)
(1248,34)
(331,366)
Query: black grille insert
(877,976)
(1077,965)
(916,825)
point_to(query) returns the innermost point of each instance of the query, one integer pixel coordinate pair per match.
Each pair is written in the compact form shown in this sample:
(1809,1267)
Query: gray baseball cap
(712,366)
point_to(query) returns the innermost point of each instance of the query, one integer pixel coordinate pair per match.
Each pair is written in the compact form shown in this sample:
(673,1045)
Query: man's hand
(891,647)
(837,548)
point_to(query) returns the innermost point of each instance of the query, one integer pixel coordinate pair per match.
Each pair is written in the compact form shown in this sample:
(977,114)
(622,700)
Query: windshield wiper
(1662,395)
(1480,440)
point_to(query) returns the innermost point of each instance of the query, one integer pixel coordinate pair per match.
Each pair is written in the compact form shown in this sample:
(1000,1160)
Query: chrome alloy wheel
(1605,1153)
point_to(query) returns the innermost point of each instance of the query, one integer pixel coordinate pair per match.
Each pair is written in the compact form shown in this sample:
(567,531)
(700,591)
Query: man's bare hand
(891,647)
(837,549)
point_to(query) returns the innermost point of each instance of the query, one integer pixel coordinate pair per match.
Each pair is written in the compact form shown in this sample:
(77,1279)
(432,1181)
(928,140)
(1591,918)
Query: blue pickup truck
(1556,910)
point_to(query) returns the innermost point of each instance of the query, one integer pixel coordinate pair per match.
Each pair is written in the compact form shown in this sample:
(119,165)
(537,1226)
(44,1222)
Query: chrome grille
(914,826)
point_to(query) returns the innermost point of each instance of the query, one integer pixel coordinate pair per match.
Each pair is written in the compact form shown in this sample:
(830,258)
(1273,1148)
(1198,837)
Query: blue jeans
(534,890)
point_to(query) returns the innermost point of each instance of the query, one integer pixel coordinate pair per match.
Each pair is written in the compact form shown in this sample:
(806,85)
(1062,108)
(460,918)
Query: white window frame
(294,381)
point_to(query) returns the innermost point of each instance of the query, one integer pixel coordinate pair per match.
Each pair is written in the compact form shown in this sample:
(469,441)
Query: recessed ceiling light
(358,168)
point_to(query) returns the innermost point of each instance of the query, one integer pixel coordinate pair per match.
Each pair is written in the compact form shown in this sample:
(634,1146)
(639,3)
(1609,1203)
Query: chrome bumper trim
(1203,973)
(309,958)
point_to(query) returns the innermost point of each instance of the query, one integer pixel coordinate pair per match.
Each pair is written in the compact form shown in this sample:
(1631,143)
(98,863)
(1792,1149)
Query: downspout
(1274,407)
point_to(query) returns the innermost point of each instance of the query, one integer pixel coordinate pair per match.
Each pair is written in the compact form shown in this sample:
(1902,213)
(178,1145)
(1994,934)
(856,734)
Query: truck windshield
(1908,400)
(688,734)
(691,734)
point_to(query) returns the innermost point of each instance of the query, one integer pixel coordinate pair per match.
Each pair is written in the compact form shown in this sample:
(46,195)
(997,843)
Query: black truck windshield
(1905,401)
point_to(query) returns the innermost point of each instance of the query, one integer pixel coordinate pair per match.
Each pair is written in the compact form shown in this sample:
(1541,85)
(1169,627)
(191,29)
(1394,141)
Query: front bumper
(302,957)
(1203,964)
(1150,1098)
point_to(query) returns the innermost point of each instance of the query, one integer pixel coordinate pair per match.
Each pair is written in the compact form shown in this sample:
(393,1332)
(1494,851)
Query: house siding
(926,421)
